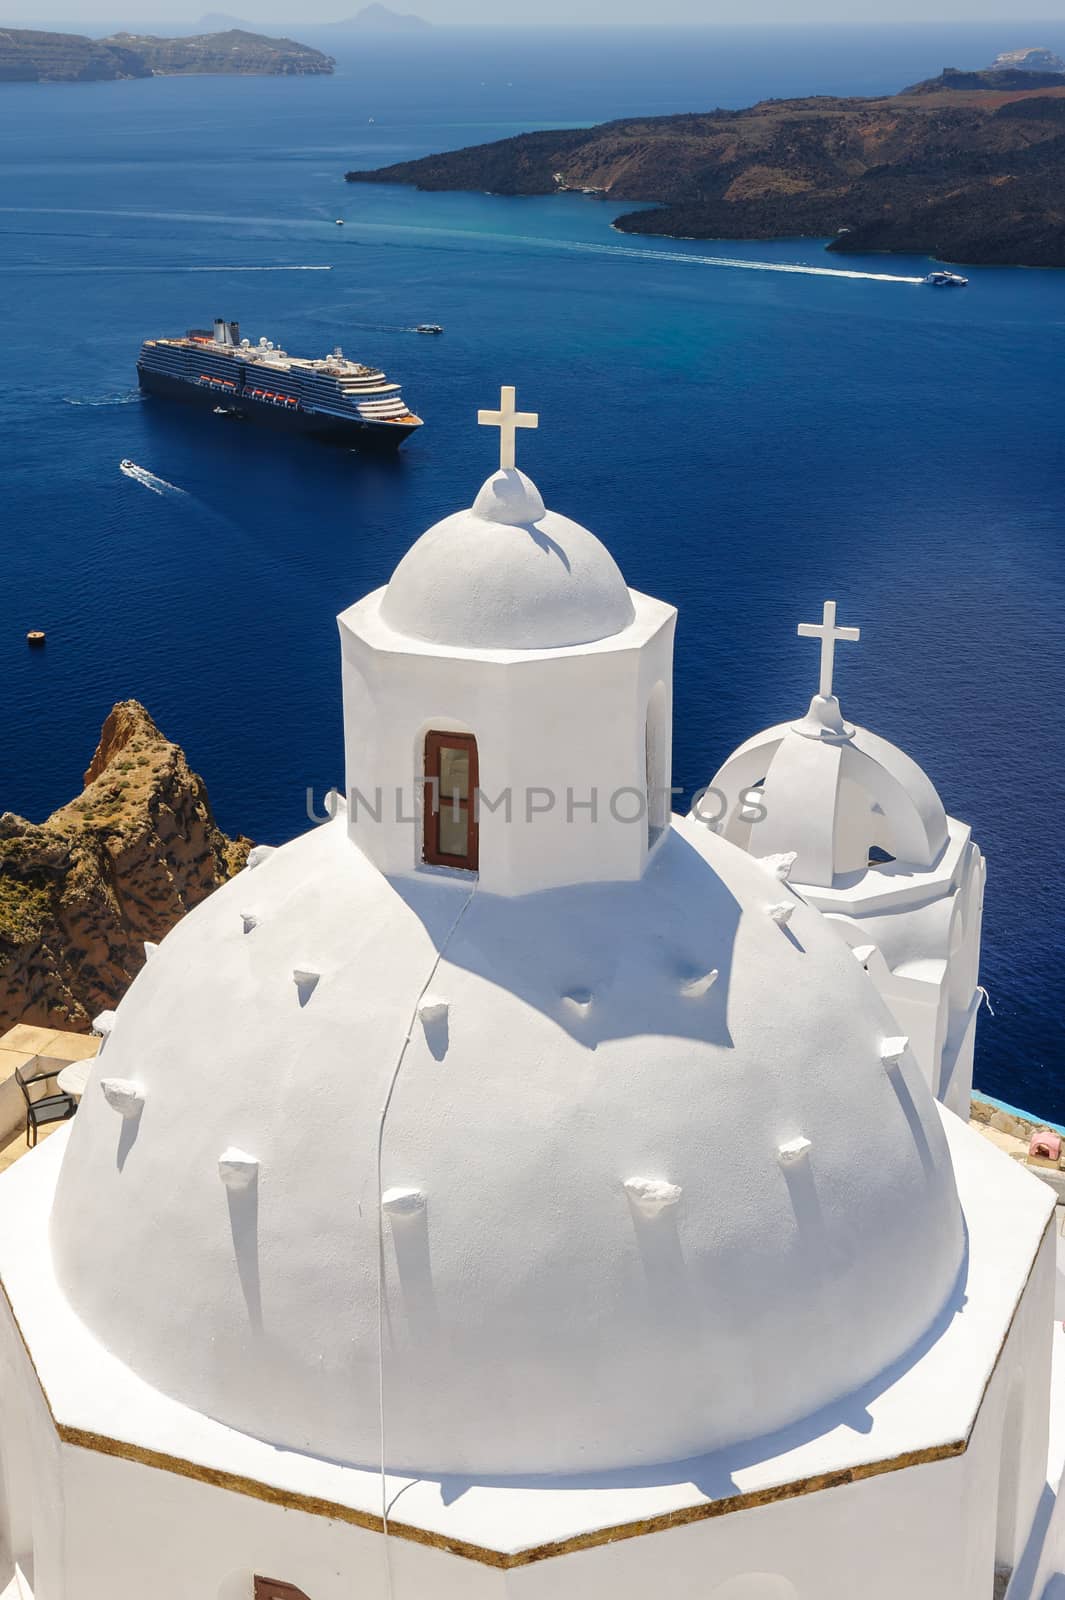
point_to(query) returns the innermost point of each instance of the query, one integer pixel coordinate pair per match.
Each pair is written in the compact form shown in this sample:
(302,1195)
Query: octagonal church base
(913,1486)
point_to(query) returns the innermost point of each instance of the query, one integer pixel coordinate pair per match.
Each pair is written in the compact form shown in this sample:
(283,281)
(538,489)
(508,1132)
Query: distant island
(1036,58)
(371,19)
(967,167)
(380,19)
(30,56)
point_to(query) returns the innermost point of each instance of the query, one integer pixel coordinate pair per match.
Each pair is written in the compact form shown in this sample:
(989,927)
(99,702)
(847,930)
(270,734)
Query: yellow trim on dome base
(316,1507)
(312,1505)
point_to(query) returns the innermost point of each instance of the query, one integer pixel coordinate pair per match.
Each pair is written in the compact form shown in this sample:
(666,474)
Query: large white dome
(596,1254)
(508,575)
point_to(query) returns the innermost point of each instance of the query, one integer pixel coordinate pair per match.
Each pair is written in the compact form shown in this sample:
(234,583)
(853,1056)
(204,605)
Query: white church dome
(837,798)
(586,1153)
(508,575)
(837,795)
(649,1177)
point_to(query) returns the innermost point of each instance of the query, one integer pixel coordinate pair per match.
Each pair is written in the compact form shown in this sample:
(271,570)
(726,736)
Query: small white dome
(834,794)
(508,575)
(647,1185)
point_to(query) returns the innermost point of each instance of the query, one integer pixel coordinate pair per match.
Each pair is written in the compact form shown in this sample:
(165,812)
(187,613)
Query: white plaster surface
(534,1322)
(597,1188)
(831,792)
(507,574)
(123,1096)
(928,1400)
(653,1195)
(237,1169)
(1040,1573)
(830,799)
(566,739)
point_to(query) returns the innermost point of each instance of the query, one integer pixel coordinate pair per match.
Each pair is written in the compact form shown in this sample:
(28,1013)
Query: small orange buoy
(35,637)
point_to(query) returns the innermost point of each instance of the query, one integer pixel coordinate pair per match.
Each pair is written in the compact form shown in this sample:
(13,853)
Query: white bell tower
(508,699)
(871,846)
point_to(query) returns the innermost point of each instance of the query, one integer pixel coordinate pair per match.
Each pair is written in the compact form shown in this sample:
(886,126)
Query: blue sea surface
(747,441)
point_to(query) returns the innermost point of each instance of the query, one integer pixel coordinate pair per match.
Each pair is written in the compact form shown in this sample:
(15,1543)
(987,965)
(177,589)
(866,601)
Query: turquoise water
(747,440)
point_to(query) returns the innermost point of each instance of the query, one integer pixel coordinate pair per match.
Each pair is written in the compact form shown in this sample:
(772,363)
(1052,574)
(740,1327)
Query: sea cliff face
(967,167)
(235,51)
(81,892)
(28,55)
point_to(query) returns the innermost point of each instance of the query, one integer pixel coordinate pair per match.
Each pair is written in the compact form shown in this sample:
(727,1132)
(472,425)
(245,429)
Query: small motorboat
(428,327)
(126,465)
(946,280)
(340,222)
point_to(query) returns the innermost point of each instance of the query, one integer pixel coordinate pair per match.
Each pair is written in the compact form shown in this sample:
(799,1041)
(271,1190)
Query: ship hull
(378,437)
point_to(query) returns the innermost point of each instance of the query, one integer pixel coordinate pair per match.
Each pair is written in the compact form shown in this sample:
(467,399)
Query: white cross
(828,633)
(508,421)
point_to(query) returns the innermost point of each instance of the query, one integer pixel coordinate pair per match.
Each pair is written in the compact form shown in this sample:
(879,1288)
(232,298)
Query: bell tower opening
(449,810)
(656,764)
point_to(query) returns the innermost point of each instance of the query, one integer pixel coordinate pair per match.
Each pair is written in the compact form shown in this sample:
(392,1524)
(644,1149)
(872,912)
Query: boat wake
(148,480)
(129,399)
(760,266)
(301,268)
(635,252)
(58,272)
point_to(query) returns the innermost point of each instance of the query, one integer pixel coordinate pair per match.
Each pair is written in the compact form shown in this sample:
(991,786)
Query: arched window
(274,1589)
(449,812)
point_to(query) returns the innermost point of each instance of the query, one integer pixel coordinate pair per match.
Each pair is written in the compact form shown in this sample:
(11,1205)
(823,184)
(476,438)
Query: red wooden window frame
(274,1589)
(434,802)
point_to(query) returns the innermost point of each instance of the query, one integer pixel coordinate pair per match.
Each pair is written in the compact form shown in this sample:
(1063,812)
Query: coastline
(956,170)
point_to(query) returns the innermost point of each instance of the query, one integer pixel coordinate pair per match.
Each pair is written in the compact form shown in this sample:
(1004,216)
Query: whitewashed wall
(107,1529)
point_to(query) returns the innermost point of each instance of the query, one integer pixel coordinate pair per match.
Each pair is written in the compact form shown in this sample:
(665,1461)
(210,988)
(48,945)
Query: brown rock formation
(969,166)
(81,892)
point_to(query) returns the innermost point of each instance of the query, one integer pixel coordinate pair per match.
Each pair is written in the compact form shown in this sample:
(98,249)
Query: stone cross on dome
(508,421)
(828,633)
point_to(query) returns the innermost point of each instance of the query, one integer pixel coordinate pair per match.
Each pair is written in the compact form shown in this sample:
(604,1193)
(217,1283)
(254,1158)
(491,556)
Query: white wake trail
(131,397)
(634,252)
(148,480)
(58,272)
(758,266)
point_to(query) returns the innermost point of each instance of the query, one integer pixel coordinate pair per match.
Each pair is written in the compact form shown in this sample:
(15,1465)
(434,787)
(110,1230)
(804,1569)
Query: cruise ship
(330,397)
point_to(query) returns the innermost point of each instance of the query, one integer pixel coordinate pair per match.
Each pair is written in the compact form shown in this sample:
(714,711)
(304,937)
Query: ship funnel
(219,330)
(234,333)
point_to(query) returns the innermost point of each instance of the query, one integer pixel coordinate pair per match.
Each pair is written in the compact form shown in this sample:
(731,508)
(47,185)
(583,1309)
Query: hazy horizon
(85,15)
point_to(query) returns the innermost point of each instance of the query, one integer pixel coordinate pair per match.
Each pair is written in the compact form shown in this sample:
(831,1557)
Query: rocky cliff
(234,51)
(29,56)
(81,892)
(966,167)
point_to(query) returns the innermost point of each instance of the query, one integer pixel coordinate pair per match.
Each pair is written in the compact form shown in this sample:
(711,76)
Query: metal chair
(46,1107)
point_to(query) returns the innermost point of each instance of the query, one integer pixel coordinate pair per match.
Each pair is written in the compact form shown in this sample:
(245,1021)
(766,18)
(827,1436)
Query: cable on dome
(381,1225)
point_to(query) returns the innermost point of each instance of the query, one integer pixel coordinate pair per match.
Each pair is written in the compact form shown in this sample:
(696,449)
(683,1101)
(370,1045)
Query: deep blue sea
(746,441)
